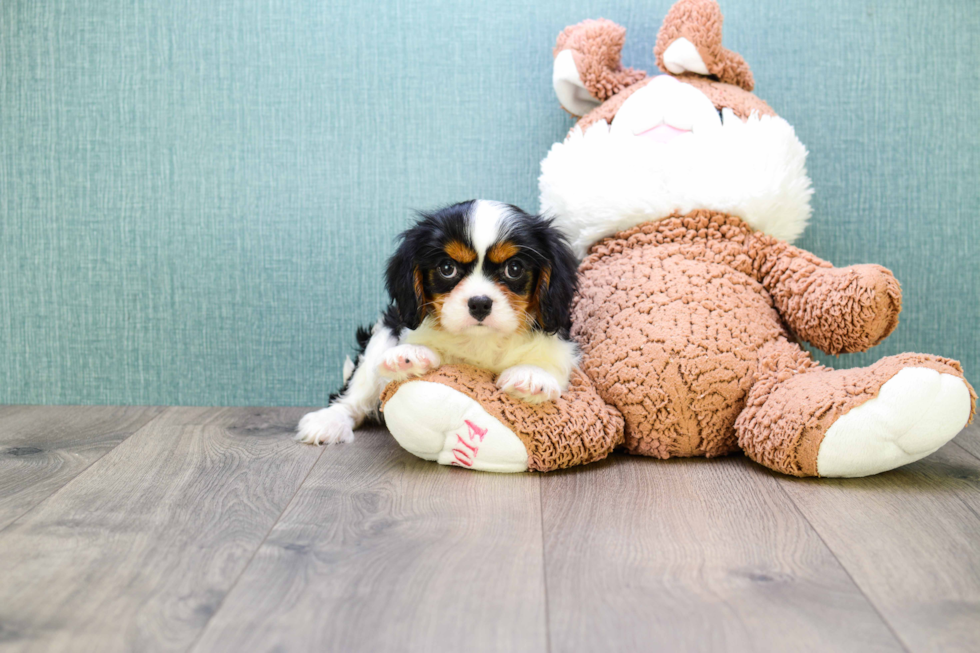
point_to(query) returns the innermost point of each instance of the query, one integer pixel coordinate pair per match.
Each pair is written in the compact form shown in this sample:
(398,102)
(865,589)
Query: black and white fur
(511,317)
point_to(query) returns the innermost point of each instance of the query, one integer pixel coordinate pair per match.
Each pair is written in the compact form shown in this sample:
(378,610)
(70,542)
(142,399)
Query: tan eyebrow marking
(460,252)
(502,251)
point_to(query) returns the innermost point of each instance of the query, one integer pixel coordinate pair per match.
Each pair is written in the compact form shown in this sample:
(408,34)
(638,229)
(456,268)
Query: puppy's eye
(514,269)
(447,269)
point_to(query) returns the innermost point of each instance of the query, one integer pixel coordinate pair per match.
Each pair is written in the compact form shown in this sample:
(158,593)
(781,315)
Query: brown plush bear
(680,191)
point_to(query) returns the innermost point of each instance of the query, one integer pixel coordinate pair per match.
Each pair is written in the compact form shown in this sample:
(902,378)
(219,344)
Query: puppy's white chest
(489,353)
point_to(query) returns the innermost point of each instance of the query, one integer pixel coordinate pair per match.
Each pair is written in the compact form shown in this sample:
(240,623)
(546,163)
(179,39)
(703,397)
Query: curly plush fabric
(688,317)
(678,318)
(838,310)
(687,331)
(699,21)
(596,46)
(577,429)
(794,401)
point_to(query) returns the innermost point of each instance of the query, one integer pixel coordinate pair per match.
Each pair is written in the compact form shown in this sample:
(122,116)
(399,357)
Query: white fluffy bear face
(669,151)
(647,148)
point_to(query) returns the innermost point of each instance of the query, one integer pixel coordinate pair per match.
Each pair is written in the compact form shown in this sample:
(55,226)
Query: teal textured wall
(196,198)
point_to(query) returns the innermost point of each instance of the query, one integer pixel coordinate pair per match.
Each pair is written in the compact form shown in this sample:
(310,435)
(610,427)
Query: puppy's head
(483,267)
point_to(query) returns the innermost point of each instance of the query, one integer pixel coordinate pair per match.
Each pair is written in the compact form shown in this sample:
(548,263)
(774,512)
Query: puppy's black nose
(480,306)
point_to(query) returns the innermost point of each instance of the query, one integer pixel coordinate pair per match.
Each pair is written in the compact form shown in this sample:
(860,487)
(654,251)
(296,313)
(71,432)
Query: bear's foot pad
(461,433)
(915,413)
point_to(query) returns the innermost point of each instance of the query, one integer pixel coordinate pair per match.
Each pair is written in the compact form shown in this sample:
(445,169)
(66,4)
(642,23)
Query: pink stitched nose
(663,133)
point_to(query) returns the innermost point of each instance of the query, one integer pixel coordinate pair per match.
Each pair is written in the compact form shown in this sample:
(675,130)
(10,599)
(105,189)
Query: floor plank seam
(248,564)
(816,531)
(82,471)
(967,451)
(544,569)
(957,494)
(966,504)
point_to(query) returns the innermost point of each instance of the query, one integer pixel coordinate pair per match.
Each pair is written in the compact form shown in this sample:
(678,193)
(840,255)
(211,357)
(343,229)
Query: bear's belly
(672,343)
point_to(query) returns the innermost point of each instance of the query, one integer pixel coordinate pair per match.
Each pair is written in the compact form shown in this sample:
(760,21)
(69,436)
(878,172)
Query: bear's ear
(690,42)
(569,87)
(587,69)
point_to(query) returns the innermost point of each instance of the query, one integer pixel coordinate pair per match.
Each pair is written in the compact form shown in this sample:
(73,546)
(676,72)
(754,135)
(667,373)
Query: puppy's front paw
(529,383)
(328,426)
(405,361)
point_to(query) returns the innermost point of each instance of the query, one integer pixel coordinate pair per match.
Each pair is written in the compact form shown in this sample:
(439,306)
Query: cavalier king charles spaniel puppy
(480,283)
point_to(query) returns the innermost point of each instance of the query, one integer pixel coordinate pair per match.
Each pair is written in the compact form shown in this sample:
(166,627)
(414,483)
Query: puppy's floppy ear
(557,282)
(403,278)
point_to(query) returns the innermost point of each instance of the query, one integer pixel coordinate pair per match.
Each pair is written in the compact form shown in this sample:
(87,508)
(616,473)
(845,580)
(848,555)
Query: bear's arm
(838,310)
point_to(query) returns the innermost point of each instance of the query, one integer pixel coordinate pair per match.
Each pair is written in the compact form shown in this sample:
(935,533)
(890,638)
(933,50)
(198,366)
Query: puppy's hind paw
(327,426)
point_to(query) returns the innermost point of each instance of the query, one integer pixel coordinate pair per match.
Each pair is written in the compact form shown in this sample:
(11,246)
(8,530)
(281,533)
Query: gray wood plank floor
(44,447)
(208,529)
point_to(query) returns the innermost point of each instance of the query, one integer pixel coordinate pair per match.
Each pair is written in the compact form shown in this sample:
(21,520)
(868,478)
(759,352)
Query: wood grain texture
(969,438)
(698,555)
(140,549)
(381,551)
(44,447)
(910,538)
(208,529)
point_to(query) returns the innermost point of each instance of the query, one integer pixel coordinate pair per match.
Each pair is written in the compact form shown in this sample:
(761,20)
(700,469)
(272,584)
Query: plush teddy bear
(680,192)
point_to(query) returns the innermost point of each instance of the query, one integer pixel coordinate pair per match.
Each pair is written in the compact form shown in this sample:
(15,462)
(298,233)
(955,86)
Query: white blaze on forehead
(488,224)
